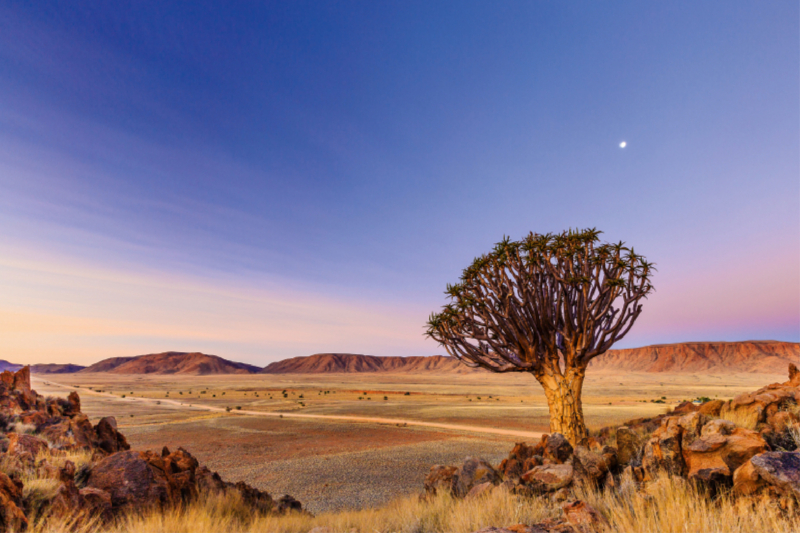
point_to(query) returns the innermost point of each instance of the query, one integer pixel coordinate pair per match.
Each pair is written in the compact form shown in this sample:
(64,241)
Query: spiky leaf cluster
(530,302)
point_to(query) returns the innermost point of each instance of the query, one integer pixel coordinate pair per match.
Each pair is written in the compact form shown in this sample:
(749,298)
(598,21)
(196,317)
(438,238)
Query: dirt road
(361,419)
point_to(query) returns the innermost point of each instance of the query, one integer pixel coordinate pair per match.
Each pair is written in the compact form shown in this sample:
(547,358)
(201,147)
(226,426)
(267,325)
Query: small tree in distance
(547,305)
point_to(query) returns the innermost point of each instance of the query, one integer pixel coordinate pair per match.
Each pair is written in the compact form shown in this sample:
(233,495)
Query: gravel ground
(366,478)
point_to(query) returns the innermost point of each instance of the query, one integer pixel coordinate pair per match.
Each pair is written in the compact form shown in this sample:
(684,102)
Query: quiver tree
(547,305)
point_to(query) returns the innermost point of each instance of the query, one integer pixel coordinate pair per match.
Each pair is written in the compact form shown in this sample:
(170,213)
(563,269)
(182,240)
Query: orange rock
(584,518)
(20,443)
(12,518)
(715,455)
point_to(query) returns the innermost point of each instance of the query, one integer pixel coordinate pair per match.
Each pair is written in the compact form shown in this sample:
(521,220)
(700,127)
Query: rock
(593,463)
(781,421)
(718,427)
(480,490)
(548,526)
(712,408)
(439,478)
(557,448)
(628,444)
(473,472)
(12,518)
(549,478)
(684,408)
(692,425)
(320,529)
(714,456)
(517,462)
(74,403)
(107,438)
(663,450)
(97,503)
(21,443)
(779,471)
(130,482)
(584,518)
(288,504)
(794,376)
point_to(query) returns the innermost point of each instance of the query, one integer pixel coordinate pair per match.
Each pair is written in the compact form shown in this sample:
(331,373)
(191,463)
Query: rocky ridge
(357,363)
(37,437)
(764,357)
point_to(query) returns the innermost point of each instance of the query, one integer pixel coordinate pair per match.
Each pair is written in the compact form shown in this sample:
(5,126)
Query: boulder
(473,472)
(715,456)
(287,504)
(712,408)
(593,463)
(718,427)
(549,478)
(107,438)
(663,450)
(779,471)
(584,518)
(21,443)
(557,448)
(480,490)
(440,478)
(692,425)
(517,461)
(794,376)
(12,518)
(628,444)
(129,480)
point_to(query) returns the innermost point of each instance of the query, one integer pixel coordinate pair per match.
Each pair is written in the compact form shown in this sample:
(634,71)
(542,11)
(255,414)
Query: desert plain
(349,441)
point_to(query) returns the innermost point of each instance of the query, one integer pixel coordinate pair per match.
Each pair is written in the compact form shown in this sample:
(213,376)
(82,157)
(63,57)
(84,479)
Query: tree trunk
(563,394)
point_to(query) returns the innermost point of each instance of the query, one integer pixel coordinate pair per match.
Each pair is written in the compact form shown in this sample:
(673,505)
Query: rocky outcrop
(474,471)
(12,518)
(118,481)
(690,443)
(776,472)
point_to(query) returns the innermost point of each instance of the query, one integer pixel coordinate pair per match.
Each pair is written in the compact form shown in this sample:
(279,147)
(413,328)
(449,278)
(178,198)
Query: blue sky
(275,179)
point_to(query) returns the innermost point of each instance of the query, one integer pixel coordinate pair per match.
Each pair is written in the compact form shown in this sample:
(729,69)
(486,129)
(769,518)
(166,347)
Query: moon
(623,144)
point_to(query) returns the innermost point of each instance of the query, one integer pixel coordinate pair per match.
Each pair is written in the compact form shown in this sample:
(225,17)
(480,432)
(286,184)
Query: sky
(263,180)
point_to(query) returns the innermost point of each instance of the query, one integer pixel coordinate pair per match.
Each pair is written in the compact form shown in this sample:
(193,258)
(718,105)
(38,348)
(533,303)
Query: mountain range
(768,357)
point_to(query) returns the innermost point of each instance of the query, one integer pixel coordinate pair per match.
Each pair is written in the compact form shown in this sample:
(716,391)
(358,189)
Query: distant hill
(171,363)
(764,357)
(356,363)
(107,365)
(5,365)
(53,368)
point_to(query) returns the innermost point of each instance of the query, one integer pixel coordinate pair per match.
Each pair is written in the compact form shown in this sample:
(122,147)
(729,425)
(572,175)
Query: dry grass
(744,418)
(671,505)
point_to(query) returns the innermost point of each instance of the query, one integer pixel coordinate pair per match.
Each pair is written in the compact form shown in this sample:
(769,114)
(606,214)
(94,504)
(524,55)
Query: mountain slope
(6,365)
(171,363)
(53,368)
(356,363)
(766,357)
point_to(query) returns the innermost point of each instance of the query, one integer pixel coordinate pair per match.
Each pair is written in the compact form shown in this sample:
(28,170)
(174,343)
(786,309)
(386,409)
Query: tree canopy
(565,296)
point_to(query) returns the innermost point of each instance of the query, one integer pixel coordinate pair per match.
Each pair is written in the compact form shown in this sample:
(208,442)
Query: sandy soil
(324,452)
